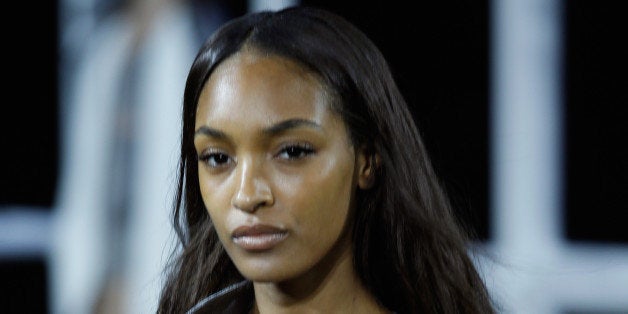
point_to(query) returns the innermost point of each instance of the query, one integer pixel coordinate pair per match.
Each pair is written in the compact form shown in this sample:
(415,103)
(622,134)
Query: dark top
(235,299)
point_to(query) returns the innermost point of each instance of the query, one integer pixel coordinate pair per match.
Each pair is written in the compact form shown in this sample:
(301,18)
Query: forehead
(262,89)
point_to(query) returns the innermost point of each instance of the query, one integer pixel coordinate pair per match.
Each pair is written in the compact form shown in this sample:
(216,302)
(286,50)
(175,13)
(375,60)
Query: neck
(331,287)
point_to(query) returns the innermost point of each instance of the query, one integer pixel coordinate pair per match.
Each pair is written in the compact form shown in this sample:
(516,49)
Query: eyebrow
(205,130)
(278,128)
(291,124)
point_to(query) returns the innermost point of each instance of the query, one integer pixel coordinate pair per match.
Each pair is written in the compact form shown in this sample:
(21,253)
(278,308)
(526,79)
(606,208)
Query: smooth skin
(272,152)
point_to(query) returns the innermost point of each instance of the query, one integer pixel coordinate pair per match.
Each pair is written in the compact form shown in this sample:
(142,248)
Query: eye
(295,151)
(215,159)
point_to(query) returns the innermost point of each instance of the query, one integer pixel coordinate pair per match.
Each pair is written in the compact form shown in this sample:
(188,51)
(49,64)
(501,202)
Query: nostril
(252,203)
(253,190)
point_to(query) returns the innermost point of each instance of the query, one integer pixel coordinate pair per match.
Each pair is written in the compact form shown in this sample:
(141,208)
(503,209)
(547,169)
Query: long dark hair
(409,250)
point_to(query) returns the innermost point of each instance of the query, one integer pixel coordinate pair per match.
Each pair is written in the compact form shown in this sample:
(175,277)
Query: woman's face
(277,170)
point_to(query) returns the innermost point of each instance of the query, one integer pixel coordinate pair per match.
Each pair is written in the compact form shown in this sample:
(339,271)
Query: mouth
(258,237)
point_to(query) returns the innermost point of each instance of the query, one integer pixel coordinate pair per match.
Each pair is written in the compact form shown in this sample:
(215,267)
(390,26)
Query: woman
(304,183)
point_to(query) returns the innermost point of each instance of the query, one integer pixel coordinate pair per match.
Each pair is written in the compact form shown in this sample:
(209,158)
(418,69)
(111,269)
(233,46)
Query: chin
(266,271)
(266,276)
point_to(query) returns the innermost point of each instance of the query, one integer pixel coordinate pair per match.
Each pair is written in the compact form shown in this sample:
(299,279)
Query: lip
(258,237)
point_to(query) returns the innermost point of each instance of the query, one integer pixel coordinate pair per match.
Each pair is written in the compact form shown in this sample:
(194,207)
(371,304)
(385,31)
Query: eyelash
(290,152)
(296,151)
(209,158)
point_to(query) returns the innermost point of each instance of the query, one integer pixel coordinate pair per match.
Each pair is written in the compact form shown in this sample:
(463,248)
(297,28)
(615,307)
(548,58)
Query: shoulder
(235,299)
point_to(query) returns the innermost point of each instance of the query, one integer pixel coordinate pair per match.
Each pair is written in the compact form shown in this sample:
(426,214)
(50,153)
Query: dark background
(440,54)
(29,140)
(596,87)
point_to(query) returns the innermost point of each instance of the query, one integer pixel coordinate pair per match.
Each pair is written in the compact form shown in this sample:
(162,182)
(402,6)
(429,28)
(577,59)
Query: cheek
(320,198)
(206,192)
(215,199)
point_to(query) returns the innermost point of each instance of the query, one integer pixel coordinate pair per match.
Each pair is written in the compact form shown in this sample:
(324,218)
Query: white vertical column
(166,56)
(526,141)
(272,5)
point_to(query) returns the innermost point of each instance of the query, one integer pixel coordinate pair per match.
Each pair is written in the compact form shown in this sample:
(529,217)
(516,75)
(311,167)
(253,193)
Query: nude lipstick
(258,237)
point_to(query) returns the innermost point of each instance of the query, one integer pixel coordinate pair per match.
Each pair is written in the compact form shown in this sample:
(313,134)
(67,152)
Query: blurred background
(520,102)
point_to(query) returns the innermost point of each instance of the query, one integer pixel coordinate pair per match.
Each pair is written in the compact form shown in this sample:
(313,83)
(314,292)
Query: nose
(253,190)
